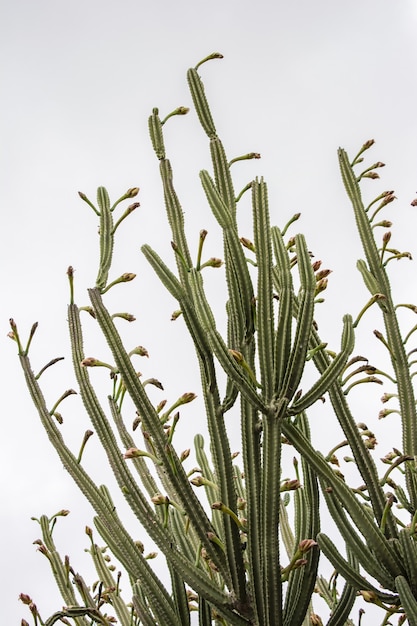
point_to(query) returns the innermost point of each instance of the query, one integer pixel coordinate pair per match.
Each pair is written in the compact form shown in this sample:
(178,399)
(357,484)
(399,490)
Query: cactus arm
(117,537)
(176,219)
(138,462)
(407,599)
(302,580)
(251,449)
(283,283)
(330,374)
(179,595)
(270,502)
(105,576)
(395,342)
(295,366)
(361,551)
(348,572)
(265,312)
(375,538)
(347,599)
(200,102)
(151,423)
(106,237)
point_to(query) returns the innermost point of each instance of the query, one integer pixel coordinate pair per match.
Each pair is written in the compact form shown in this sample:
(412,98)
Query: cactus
(247,551)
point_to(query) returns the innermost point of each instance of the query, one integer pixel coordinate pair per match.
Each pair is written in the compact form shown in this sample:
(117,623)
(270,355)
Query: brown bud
(140,350)
(198,481)
(238,356)
(213,262)
(306,544)
(184,455)
(159,499)
(23,597)
(127,277)
(90,362)
(175,315)
(131,453)
(368,144)
(246,243)
(369,596)
(151,555)
(187,397)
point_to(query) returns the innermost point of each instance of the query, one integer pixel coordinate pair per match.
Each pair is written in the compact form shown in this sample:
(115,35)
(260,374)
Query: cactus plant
(247,551)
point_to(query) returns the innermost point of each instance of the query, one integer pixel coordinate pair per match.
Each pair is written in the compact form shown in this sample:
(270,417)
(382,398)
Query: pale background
(79,80)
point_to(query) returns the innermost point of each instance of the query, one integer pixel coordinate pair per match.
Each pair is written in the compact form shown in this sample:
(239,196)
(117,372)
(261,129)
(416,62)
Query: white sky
(79,80)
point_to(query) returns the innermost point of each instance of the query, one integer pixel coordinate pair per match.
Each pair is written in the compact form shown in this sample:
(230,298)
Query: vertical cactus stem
(155,131)
(203,235)
(87,435)
(293,219)
(70,274)
(106,237)
(200,102)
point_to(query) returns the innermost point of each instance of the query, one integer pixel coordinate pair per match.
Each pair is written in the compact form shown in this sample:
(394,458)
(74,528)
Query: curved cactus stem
(350,574)
(330,375)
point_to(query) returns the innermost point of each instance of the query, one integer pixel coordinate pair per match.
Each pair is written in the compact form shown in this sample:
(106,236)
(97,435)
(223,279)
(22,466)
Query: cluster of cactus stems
(250,557)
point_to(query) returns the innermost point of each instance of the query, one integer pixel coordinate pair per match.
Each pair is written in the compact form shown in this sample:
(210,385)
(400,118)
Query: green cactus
(227,560)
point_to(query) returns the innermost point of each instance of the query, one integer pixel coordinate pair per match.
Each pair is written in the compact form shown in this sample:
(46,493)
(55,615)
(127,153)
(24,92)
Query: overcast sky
(79,79)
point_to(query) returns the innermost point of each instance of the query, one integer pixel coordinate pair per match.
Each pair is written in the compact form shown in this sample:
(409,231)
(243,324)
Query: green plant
(226,559)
